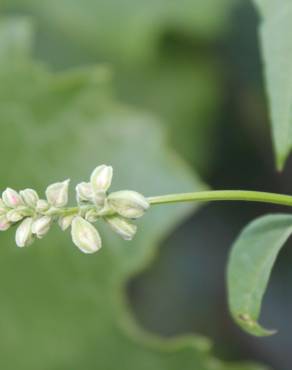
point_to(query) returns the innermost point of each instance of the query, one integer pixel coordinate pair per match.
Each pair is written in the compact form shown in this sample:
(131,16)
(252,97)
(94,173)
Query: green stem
(224,195)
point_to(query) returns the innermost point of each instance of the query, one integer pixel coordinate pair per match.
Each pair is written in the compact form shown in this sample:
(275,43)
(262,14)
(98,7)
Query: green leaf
(61,309)
(251,261)
(177,84)
(276,42)
(127,30)
(179,89)
(15,38)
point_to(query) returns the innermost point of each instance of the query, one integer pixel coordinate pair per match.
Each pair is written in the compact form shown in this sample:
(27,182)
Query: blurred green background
(171,94)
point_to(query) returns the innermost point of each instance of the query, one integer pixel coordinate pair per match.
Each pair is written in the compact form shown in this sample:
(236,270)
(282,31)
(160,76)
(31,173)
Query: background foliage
(276,48)
(162,92)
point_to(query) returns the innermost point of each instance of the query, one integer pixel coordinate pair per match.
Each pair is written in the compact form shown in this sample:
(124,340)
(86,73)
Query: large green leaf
(182,86)
(251,261)
(277,54)
(186,93)
(61,309)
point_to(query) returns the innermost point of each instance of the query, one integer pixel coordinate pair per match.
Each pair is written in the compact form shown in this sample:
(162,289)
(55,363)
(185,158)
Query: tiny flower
(4,223)
(129,204)
(2,205)
(41,226)
(14,215)
(57,194)
(3,208)
(91,215)
(11,198)
(101,178)
(30,197)
(23,235)
(99,199)
(122,227)
(42,205)
(106,210)
(65,221)
(84,192)
(85,236)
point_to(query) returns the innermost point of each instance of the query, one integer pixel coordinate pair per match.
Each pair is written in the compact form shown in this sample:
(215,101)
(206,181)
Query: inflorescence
(34,216)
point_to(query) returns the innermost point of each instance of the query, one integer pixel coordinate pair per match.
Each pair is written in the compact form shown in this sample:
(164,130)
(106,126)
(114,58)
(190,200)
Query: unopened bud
(41,226)
(57,194)
(122,227)
(85,236)
(23,235)
(3,208)
(65,221)
(91,215)
(129,204)
(30,197)
(101,178)
(2,204)
(4,223)
(84,192)
(11,198)
(14,215)
(42,205)
(99,199)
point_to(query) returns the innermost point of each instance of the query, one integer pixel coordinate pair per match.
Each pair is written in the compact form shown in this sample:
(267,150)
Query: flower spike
(34,216)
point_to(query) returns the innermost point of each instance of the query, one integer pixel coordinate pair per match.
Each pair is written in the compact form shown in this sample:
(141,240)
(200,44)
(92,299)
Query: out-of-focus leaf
(186,94)
(61,309)
(15,38)
(277,54)
(251,261)
(268,7)
(180,85)
(128,30)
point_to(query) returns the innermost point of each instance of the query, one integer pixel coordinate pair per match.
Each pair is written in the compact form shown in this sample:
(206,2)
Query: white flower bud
(30,197)
(57,194)
(14,215)
(101,178)
(84,192)
(3,208)
(99,199)
(41,226)
(11,198)
(65,221)
(42,205)
(4,223)
(23,235)
(2,204)
(85,236)
(91,215)
(122,227)
(129,204)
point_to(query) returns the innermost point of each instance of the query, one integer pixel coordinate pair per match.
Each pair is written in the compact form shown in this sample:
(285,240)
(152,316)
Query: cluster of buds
(34,216)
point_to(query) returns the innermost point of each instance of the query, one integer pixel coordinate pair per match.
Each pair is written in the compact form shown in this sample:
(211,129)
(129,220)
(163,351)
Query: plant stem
(223,195)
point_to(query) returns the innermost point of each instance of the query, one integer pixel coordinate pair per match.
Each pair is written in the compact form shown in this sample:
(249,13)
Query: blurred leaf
(15,38)
(61,309)
(186,93)
(128,30)
(269,7)
(175,74)
(251,261)
(277,55)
